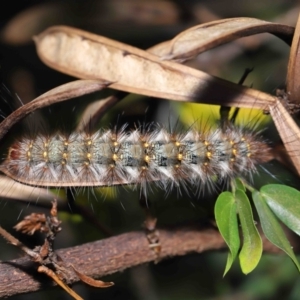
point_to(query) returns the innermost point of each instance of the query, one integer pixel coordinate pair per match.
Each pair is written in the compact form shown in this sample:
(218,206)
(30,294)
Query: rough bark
(111,255)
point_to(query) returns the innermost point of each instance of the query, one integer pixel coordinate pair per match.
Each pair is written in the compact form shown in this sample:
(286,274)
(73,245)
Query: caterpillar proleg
(136,157)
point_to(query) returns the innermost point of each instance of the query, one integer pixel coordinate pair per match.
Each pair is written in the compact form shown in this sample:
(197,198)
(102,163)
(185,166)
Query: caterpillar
(136,157)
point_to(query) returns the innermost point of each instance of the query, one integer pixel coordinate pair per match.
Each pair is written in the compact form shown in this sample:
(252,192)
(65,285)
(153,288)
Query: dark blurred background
(144,23)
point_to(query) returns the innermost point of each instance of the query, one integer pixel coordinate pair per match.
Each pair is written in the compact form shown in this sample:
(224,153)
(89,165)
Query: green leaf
(285,203)
(271,227)
(226,218)
(239,184)
(252,247)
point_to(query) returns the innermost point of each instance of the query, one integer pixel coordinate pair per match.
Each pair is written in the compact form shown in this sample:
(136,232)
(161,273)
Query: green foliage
(225,212)
(271,202)
(284,201)
(252,247)
(271,226)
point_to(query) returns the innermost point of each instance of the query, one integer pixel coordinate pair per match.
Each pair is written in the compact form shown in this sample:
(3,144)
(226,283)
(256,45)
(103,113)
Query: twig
(112,255)
(51,264)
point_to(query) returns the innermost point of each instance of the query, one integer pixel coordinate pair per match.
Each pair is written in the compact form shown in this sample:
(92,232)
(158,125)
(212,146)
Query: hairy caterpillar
(137,157)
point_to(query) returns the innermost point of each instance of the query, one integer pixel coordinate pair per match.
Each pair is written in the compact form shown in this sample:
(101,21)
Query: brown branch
(111,255)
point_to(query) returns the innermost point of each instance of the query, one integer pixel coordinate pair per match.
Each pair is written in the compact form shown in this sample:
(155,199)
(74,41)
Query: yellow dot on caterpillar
(66,143)
(115,144)
(45,154)
(243,139)
(88,155)
(28,154)
(232,159)
(206,164)
(231,142)
(177,144)
(63,162)
(115,157)
(111,166)
(208,155)
(144,168)
(65,155)
(206,143)
(248,154)
(179,156)
(147,158)
(30,145)
(46,144)
(234,152)
(146,145)
(86,163)
(89,143)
